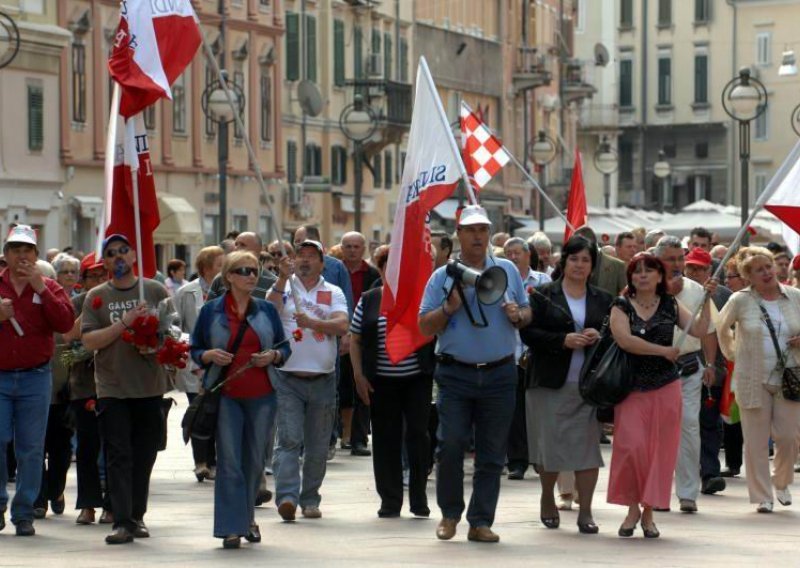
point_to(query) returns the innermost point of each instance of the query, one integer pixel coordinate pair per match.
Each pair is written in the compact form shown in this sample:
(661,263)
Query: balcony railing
(576,86)
(599,116)
(531,69)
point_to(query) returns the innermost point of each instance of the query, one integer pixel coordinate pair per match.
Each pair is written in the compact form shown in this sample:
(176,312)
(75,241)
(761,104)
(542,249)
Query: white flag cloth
(784,203)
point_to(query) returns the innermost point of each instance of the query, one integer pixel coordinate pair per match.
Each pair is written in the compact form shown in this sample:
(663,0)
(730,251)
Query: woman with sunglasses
(238,340)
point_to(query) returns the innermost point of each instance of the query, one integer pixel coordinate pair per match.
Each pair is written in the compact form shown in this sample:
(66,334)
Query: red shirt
(357,280)
(39,316)
(254,382)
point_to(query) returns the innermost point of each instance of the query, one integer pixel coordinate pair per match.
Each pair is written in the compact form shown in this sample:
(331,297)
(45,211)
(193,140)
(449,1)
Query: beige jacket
(741,330)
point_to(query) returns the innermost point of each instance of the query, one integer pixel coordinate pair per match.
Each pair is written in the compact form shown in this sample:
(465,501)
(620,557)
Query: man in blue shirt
(477,378)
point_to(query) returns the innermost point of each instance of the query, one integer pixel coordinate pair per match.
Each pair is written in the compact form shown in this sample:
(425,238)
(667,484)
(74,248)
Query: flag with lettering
(431,174)
(155,41)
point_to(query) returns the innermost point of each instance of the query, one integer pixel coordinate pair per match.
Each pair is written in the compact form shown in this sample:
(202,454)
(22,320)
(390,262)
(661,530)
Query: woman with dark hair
(563,431)
(647,424)
(176,275)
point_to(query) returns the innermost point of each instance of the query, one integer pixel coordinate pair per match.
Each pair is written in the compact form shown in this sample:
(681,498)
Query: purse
(790,383)
(200,420)
(606,377)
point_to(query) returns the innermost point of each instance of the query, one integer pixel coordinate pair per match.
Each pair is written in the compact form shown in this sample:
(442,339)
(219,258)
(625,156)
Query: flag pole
(772,186)
(130,139)
(111,149)
(446,124)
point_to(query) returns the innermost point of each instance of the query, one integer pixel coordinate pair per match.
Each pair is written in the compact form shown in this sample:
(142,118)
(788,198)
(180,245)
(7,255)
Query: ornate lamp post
(662,169)
(796,120)
(358,122)
(542,151)
(607,162)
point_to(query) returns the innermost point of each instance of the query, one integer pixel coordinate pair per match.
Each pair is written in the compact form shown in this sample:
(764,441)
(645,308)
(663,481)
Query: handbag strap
(237,341)
(771,328)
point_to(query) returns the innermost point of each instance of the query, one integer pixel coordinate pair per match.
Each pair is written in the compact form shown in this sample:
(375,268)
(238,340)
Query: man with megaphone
(474,305)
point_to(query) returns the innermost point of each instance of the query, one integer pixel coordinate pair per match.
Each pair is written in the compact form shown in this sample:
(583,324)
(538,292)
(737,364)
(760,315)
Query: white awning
(89,206)
(180,222)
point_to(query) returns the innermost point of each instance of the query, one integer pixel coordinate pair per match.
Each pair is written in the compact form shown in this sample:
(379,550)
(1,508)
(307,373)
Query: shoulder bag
(790,383)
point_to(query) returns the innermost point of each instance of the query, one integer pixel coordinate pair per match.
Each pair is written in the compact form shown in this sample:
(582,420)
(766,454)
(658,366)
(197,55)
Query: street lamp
(662,169)
(358,122)
(796,120)
(744,98)
(217,108)
(542,151)
(606,161)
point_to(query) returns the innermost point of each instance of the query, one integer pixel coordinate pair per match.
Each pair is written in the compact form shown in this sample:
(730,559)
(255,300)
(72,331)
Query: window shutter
(387,170)
(35,117)
(338,53)
(292,46)
(387,56)
(403,60)
(291,161)
(376,167)
(311,48)
(700,79)
(358,69)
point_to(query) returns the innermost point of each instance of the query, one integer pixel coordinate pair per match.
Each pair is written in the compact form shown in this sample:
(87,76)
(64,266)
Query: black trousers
(734,440)
(11,461)
(58,455)
(397,401)
(710,434)
(359,426)
(518,434)
(131,430)
(90,487)
(203,451)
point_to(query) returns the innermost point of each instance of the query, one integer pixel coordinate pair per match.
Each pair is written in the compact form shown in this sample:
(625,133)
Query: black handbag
(790,383)
(606,377)
(200,420)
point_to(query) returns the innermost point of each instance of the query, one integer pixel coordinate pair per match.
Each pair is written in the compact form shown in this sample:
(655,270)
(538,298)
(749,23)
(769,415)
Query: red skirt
(647,435)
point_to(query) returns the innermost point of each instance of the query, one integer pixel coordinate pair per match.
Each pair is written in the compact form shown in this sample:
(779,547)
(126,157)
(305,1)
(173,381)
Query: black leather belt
(446,359)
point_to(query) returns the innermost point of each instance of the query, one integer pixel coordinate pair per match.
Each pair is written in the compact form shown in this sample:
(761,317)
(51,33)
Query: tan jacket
(741,330)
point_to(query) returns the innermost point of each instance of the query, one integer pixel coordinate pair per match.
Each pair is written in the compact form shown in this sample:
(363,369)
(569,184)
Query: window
(401,166)
(626,161)
(338,165)
(760,180)
(626,14)
(179,105)
(311,48)
(35,117)
(387,56)
(238,80)
(670,150)
(378,172)
(358,61)
(265,87)
(665,80)
(338,53)
(292,46)
(312,164)
(764,49)
(626,83)
(403,60)
(388,174)
(375,59)
(664,13)
(211,126)
(291,161)
(579,6)
(211,229)
(701,79)
(762,124)
(78,82)
(239,223)
(265,227)
(149,115)
(702,11)
(701,150)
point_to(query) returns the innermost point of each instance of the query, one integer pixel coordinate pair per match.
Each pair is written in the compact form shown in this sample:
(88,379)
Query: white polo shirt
(316,352)
(691,296)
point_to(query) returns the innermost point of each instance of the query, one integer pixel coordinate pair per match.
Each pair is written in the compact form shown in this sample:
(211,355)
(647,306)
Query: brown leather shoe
(446,529)
(107,518)
(86,517)
(482,534)
(287,510)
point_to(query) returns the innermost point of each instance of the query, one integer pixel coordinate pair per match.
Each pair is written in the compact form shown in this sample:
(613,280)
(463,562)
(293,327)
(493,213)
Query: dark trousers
(90,488)
(394,401)
(131,430)
(11,461)
(710,433)
(58,455)
(518,434)
(203,451)
(479,401)
(359,426)
(734,441)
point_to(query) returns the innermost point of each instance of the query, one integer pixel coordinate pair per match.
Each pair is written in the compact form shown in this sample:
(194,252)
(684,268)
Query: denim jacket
(212,331)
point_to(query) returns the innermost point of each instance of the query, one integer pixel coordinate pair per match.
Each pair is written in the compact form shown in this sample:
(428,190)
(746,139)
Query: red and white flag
(431,173)
(784,203)
(155,41)
(577,212)
(482,152)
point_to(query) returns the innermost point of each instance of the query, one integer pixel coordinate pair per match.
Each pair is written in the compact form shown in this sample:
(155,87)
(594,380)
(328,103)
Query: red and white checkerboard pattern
(483,153)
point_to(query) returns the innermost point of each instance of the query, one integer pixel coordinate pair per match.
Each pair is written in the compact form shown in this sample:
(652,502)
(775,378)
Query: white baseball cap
(24,234)
(473,215)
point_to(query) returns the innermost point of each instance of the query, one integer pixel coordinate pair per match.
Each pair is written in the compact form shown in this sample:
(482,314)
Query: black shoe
(626,531)
(516,473)
(604,439)
(141,530)
(253,534)
(346,445)
(360,450)
(2,519)
(713,485)
(232,541)
(730,472)
(121,535)
(25,528)
(388,513)
(263,496)
(421,512)
(551,522)
(662,509)
(39,512)
(58,505)
(588,528)
(651,532)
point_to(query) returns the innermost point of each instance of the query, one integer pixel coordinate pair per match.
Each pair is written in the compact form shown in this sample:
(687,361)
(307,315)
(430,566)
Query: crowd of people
(292,337)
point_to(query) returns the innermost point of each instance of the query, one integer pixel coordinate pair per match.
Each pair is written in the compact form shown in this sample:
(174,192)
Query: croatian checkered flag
(482,152)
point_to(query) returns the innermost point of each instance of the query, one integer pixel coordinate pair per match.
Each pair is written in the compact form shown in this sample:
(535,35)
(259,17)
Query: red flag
(577,213)
(132,153)
(154,43)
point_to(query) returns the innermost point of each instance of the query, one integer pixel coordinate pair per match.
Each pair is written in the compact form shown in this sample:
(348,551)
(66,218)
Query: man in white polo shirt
(306,384)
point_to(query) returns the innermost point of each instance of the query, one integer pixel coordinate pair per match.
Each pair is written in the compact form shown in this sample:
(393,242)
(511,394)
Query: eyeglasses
(245,271)
(729,275)
(67,271)
(111,253)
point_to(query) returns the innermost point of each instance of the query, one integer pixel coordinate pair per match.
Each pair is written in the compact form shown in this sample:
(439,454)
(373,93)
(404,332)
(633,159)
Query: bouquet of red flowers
(154,333)
(173,353)
(143,332)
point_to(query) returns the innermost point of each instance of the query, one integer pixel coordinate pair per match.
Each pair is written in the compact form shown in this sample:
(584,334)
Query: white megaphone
(490,285)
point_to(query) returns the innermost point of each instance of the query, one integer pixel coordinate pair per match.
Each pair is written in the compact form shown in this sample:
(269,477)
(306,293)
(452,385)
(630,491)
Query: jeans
(87,457)
(24,405)
(131,429)
(483,400)
(243,428)
(58,449)
(306,408)
(518,434)
(687,471)
(710,435)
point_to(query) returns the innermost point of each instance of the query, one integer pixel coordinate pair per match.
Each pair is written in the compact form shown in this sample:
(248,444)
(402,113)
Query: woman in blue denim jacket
(247,405)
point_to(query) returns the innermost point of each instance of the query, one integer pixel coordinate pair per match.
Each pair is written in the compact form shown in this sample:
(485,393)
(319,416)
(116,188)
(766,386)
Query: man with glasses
(130,384)
(32,309)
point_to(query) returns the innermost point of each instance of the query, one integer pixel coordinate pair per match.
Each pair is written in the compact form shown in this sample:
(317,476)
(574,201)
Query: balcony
(575,86)
(393,104)
(531,69)
(599,117)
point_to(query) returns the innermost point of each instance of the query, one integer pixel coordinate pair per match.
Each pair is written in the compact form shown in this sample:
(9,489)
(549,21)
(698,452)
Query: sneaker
(784,496)
(765,507)
(688,506)
(287,511)
(713,485)
(312,512)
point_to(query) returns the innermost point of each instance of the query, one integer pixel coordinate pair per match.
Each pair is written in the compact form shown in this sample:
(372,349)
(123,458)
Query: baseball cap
(473,215)
(89,263)
(23,234)
(698,257)
(316,244)
(115,237)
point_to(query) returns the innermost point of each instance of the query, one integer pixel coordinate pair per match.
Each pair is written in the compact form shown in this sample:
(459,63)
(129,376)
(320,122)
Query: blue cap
(115,237)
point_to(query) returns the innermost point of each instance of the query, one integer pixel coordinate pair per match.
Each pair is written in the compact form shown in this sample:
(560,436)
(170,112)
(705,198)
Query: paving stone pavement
(726,532)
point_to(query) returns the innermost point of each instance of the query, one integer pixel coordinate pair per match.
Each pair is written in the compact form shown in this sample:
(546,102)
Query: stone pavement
(726,532)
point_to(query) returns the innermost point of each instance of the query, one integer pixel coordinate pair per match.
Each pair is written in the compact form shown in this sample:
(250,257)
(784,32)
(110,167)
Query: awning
(90,207)
(180,223)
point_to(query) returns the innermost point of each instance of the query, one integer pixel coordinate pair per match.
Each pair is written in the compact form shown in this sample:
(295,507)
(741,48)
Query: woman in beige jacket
(745,338)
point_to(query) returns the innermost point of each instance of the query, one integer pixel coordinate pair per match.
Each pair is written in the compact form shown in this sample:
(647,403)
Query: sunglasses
(111,253)
(245,271)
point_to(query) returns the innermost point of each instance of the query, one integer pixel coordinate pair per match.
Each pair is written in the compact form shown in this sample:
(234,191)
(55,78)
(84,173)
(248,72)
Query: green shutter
(292,46)
(387,170)
(358,68)
(35,118)
(338,53)
(403,60)
(626,83)
(291,162)
(376,167)
(375,49)
(387,56)
(343,166)
(335,165)
(311,48)
(700,79)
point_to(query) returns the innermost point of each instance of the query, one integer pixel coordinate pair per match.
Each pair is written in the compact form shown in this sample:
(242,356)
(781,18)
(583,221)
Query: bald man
(249,242)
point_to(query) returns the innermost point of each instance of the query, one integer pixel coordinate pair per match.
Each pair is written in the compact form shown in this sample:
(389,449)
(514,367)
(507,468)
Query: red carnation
(297,334)
(90,405)
(127,336)
(709,402)
(97,301)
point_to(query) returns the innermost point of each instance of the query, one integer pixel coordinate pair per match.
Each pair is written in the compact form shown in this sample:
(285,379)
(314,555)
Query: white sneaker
(784,496)
(765,507)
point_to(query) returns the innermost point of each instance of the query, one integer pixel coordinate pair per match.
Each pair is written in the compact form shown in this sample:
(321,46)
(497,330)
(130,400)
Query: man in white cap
(32,308)
(477,377)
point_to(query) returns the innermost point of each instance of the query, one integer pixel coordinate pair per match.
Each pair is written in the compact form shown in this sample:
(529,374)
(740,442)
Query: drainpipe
(731,190)
(643,89)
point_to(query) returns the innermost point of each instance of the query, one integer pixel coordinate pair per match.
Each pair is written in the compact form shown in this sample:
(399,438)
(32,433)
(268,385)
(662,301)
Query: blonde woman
(745,338)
